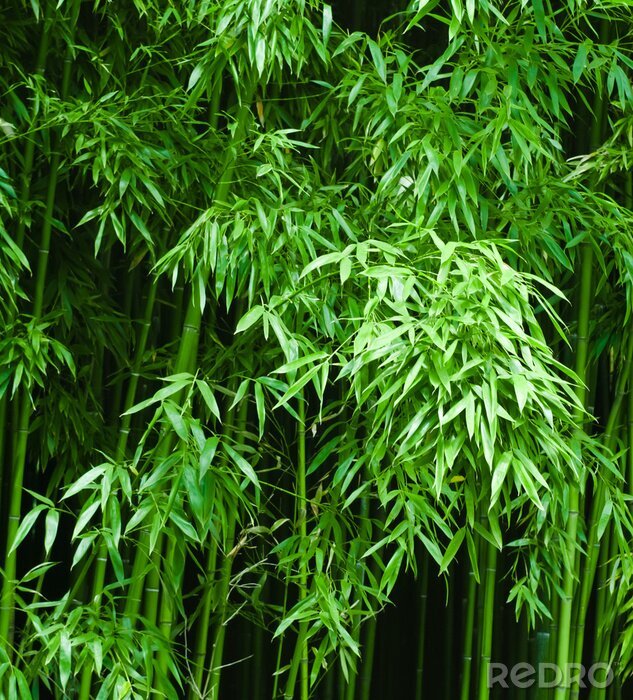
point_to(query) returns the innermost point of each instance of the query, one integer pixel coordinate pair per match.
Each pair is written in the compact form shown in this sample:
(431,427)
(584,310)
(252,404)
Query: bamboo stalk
(469,629)
(186,354)
(570,574)
(449,633)
(7,599)
(488,620)
(300,658)
(25,192)
(204,623)
(277,672)
(124,433)
(369,650)
(593,543)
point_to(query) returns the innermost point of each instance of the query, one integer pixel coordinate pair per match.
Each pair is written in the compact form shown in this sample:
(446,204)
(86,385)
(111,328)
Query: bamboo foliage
(304,309)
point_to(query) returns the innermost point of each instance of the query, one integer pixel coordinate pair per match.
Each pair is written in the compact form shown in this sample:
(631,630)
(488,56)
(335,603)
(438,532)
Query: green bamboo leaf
(65,658)
(378,59)
(184,526)
(115,557)
(86,480)
(261,408)
(327,22)
(138,516)
(82,548)
(470,414)
(84,518)
(300,362)
(493,521)
(25,526)
(297,386)
(391,572)
(454,411)
(346,269)
(209,398)
(473,556)
(260,55)
(173,388)
(498,477)
(242,465)
(527,483)
(327,259)
(195,76)
(154,192)
(50,529)
(521,389)
(177,421)
(249,318)
(240,393)
(605,517)
(23,686)
(452,549)
(539,17)
(36,572)
(580,62)
(206,456)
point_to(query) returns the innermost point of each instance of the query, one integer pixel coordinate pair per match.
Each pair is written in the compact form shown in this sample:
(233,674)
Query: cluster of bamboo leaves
(311,313)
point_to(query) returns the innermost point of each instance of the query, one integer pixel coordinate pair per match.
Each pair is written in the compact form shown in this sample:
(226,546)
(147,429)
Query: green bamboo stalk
(214,674)
(257,685)
(328,690)
(24,415)
(522,650)
(217,649)
(553,630)
(202,636)
(277,673)
(571,649)
(124,433)
(29,150)
(300,658)
(593,543)
(482,554)
(369,650)
(630,443)
(488,620)
(364,513)
(469,625)
(131,289)
(602,636)
(303,574)
(449,626)
(184,362)
(608,551)
(295,665)
(26,176)
(570,575)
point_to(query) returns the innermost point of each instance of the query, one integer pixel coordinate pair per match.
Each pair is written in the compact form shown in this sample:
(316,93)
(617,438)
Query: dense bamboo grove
(316,347)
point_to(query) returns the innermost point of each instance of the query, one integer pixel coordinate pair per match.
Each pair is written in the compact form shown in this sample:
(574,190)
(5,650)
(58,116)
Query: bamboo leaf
(65,658)
(261,408)
(86,480)
(206,456)
(378,59)
(327,22)
(251,317)
(50,529)
(452,549)
(177,422)
(242,465)
(498,477)
(26,526)
(209,398)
